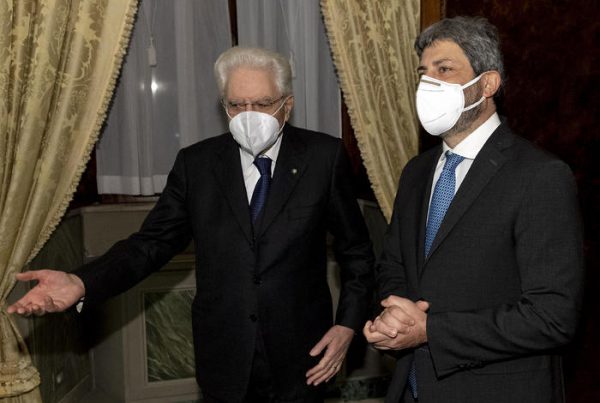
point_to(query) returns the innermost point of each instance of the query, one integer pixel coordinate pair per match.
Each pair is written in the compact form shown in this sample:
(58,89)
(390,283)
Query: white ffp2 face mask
(255,131)
(440,104)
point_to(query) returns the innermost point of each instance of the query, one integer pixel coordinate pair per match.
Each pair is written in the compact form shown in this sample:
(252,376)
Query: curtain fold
(295,29)
(372,46)
(59,61)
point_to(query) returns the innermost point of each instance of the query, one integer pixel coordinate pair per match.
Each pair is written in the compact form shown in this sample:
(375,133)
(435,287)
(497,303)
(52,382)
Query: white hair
(254,58)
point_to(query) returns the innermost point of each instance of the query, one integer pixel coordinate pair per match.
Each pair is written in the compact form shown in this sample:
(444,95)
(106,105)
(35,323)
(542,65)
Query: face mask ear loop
(473,105)
(227,113)
(280,106)
(473,81)
(467,85)
(276,111)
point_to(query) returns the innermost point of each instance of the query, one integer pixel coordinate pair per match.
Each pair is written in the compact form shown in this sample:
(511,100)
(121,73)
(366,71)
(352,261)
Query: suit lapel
(487,163)
(228,170)
(290,166)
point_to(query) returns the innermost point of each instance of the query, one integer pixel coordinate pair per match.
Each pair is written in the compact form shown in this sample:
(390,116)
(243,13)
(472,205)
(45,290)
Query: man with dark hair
(258,203)
(481,274)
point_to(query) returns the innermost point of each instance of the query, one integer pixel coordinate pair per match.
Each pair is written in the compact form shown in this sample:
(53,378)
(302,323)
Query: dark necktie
(259,196)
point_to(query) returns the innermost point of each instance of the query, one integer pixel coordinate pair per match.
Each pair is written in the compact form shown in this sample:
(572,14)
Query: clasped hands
(401,325)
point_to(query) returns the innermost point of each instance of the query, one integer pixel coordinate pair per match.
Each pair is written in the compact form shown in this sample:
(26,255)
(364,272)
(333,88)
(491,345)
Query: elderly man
(258,203)
(481,273)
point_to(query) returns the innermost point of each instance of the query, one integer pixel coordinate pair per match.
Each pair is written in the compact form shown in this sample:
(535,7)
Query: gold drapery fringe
(59,62)
(17,375)
(372,46)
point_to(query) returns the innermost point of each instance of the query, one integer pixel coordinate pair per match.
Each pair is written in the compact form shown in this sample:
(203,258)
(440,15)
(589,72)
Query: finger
(324,364)
(14,308)
(324,376)
(24,310)
(27,276)
(392,300)
(382,327)
(327,376)
(368,329)
(391,321)
(314,370)
(37,310)
(400,315)
(423,305)
(336,370)
(321,366)
(316,374)
(379,346)
(375,337)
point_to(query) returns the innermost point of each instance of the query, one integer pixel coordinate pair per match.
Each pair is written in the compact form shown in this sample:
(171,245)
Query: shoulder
(310,138)
(317,147)
(527,157)
(421,163)
(204,151)
(209,145)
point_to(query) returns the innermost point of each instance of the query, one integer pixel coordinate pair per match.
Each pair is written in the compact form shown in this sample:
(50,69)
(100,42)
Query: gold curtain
(372,46)
(59,60)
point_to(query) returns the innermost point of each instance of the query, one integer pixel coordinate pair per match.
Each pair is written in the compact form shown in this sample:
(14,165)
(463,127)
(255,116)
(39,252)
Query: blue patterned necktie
(442,197)
(440,201)
(259,196)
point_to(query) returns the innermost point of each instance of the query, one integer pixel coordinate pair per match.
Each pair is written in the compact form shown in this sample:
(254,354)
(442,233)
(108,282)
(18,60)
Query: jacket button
(257,280)
(253,318)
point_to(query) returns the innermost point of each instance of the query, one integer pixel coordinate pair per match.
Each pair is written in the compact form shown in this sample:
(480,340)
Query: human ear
(289,104)
(491,83)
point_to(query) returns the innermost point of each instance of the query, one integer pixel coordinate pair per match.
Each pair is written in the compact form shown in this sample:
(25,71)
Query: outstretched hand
(335,343)
(55,292)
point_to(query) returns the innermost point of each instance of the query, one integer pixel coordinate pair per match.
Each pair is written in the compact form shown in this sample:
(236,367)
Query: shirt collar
(473,143)
(272,153)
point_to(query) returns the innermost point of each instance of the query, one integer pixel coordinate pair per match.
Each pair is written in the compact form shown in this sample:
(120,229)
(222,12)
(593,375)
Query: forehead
(443,50)
(249,83)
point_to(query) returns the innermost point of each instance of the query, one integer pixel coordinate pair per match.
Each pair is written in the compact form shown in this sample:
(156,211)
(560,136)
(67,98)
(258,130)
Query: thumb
(392,300)
(319,347)
(27,276)
(386,302)
(423,305)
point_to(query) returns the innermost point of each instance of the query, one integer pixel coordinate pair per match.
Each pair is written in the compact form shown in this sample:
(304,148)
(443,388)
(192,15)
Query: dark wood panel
(432,11)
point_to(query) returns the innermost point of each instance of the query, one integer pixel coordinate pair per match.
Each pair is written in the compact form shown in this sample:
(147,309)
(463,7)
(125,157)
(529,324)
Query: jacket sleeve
(390,269)
(164,233)
(549,252)
(351,245)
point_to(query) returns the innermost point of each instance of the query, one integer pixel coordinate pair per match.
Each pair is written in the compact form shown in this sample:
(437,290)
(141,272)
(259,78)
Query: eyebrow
(435,63)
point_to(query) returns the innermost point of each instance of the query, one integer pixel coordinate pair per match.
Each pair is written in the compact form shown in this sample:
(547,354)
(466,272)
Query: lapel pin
(294,171)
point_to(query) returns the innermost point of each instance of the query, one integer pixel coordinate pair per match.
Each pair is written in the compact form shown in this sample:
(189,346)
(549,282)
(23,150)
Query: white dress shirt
(250,171)
(468,148)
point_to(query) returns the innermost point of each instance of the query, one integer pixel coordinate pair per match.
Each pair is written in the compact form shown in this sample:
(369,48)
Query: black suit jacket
(272,276)
(504,275)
